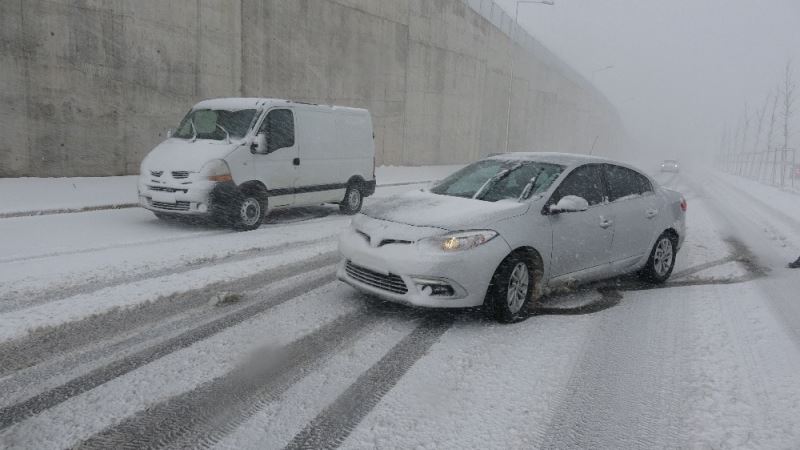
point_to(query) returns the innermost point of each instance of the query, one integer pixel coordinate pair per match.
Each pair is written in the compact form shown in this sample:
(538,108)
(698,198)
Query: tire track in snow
(333,425)
(60,293)
(623,391)
(20,411)
(48,342)
(202,416)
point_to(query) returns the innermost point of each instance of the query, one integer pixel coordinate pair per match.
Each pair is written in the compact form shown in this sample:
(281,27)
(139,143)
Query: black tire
(499,303)
(661,262)
(250,211)
(353,200)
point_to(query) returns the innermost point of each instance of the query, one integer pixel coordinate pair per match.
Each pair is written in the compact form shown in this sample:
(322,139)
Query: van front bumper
(191,199)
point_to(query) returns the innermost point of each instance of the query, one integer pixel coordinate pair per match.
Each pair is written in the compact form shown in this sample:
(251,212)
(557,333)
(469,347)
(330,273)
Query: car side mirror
(259,146)
(569,203)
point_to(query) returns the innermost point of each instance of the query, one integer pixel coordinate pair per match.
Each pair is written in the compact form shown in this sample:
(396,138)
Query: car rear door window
(624,183)
(585,182)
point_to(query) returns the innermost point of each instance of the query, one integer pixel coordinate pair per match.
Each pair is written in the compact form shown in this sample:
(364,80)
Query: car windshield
(497,179)
(215,124)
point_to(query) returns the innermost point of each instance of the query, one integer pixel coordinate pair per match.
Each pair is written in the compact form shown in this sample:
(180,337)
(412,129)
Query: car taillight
(684,205)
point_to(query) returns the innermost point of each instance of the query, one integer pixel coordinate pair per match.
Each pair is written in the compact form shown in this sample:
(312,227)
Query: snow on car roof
(564,159)
(239,103)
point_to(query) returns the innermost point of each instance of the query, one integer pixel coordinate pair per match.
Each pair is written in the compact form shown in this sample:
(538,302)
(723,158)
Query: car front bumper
(404,273)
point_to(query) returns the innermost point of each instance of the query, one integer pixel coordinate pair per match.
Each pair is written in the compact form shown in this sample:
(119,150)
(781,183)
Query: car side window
(624,182)
(585,182)
(279,127)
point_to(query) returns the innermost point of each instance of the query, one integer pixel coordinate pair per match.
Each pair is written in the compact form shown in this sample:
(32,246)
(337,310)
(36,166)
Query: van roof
(237,103)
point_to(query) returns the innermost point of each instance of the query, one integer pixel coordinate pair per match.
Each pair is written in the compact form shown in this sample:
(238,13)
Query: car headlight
(216,170)
(456,242)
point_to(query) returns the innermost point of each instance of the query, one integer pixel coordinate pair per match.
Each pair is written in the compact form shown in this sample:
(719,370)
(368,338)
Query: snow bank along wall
(88,87)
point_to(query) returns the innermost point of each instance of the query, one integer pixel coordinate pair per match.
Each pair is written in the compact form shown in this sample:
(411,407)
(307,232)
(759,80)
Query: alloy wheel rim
(517,287)
(662,259)
(250,211)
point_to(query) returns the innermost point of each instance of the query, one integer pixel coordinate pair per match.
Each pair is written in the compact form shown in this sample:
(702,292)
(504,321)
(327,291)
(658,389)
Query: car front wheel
(662,260)
(511,289)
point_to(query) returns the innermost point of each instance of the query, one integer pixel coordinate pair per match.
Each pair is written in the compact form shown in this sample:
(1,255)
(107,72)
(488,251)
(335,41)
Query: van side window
(279,127)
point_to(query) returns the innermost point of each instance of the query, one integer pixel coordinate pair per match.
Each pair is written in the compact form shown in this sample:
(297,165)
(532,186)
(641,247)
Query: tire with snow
(353,199)
(250,210)
(662,260)
(511,289)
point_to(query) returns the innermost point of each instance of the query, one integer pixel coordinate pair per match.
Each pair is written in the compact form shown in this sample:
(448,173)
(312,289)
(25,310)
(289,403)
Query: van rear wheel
(353,200)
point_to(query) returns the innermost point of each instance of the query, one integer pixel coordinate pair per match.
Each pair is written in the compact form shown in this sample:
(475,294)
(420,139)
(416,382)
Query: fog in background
(682,69)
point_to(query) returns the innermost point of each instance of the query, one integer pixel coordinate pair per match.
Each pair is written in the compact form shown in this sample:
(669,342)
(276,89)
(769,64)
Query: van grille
(391,282)
(179,206)
(180,175)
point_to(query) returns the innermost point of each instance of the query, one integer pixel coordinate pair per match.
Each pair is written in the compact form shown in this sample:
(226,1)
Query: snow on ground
(34,195)
(709,362)
(18,195)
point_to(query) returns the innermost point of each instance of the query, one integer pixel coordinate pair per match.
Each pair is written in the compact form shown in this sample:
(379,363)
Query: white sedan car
(504,230)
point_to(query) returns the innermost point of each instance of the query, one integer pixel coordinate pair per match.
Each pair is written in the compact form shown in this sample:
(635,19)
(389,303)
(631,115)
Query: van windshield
(215,124)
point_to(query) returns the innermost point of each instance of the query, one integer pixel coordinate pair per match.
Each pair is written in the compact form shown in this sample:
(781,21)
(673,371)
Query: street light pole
(511,77)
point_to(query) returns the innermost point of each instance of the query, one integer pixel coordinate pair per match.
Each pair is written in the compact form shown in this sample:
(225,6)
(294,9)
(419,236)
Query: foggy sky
(682,68)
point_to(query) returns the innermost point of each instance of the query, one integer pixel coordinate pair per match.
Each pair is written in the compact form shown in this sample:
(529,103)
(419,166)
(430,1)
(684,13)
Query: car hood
(426,209)
(185,155)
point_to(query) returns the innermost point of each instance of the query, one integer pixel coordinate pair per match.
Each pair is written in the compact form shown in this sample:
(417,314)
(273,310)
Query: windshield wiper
(227,135)
(495,179)
(194,129)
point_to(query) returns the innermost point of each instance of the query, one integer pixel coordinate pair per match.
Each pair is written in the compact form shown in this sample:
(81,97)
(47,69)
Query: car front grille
(391,283)
(178,206)
(180,175)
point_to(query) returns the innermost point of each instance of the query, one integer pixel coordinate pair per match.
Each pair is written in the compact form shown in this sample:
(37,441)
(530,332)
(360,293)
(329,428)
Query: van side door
(276,167)
(319,175)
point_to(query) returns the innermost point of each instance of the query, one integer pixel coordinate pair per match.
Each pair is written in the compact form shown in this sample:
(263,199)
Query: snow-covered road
(113,333)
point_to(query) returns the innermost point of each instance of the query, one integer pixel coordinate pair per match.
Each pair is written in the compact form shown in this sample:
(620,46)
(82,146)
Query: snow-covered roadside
(29,196)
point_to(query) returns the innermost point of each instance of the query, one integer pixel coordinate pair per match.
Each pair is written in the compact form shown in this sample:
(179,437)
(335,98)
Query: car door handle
(650,213)
(605,223)
(296,161)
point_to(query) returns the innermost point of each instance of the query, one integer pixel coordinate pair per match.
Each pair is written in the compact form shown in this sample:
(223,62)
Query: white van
(235,159)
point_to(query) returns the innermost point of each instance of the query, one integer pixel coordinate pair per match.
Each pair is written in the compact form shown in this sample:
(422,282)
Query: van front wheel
(250,212)
(353,200)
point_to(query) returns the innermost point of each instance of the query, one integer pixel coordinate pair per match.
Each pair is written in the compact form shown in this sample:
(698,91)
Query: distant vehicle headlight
(456,242)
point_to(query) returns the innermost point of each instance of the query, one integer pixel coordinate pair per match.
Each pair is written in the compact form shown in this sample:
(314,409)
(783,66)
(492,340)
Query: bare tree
(787,91)
(773,120)
(746,127)
(760,113)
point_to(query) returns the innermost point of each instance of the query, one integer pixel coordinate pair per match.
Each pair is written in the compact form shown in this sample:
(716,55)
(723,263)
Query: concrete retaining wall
(88,87)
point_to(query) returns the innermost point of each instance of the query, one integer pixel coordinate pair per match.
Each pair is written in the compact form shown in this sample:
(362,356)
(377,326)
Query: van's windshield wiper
(494,180)
(227,135)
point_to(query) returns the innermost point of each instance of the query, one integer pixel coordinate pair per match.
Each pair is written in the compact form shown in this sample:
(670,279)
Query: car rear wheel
(511,289)
(662,260)
(353,200)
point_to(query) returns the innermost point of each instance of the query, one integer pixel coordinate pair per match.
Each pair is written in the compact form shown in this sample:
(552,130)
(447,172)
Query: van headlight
(216,170)
(459,241)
